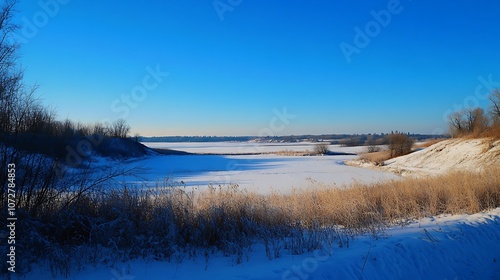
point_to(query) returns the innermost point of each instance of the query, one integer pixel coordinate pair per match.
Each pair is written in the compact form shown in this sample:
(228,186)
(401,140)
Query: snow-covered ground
(453,154)
(259,173)
(443,247)
(245,147)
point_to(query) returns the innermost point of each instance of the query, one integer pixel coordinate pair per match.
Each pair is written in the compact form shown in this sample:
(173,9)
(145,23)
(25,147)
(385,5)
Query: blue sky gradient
(233,63)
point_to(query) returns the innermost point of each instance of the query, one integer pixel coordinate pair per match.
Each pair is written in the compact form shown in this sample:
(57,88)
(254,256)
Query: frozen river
(260,173)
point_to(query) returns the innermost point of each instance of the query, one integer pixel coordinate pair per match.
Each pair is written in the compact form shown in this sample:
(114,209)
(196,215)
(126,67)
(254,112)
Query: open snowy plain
(252,166)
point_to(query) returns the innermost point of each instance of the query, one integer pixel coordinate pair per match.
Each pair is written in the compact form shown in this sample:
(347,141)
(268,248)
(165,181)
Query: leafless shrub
(351,141)
(399,144)
(120,129)
(371,145)
(494,98)
(474,122)
(321,148)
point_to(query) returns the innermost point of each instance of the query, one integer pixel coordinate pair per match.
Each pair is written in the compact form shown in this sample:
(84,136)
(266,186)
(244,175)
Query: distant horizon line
(290,135)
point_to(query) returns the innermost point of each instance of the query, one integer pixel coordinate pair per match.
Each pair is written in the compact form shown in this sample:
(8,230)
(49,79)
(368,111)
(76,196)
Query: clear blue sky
(232,64)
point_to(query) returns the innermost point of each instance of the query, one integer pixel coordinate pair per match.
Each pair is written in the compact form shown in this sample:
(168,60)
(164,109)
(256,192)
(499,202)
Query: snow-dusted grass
(439,247)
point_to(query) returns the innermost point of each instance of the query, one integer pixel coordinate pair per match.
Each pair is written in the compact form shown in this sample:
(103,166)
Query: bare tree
(457,123)
(495,106)
(475,120)
(137,137)
(321,148)
(371,144)
(479,121)
(10,86)
(99,129)
(10,75)
(120,129)
(467,121)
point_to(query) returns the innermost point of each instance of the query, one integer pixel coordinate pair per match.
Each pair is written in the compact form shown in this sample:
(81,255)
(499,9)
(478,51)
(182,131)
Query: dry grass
(359,206)
(291,153)
(377,157)
(429,143)
(492,132)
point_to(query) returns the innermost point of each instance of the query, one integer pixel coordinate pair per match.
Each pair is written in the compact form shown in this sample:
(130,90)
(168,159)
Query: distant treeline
(342,139)
(381,139)
(196,138)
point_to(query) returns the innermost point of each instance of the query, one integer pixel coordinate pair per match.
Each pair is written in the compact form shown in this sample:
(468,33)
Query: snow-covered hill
(448,155)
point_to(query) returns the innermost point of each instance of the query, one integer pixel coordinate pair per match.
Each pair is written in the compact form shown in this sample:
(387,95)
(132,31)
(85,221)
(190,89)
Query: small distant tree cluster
(372,144)
(400,144)
(475,121)
(363,140)
(321,148)
(467,121)
(352,141)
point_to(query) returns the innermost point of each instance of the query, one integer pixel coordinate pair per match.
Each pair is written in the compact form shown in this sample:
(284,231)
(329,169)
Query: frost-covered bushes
(164,223)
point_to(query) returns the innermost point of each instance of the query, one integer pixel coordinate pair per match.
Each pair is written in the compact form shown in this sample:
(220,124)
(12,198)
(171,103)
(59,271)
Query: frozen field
(245,147)
(260,173)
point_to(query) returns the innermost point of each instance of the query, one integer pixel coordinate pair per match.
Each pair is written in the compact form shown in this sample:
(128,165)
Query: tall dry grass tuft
(360,206)
(492,132)
(377,157)
(429,143)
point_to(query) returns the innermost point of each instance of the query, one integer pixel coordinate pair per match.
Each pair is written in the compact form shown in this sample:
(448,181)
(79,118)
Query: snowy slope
(454,154)
(443,247)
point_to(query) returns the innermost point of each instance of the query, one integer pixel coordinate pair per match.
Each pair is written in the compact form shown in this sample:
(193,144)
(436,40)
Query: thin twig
(366,258)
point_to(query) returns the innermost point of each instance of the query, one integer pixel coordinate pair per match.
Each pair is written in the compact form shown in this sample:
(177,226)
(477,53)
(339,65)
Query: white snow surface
(442,247)
(258,173)
(246,147)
